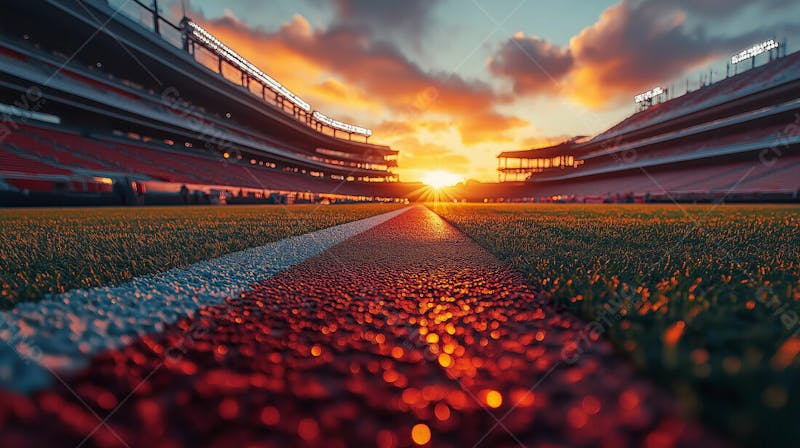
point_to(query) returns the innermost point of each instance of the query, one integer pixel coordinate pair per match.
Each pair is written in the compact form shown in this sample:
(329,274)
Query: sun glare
(441,179)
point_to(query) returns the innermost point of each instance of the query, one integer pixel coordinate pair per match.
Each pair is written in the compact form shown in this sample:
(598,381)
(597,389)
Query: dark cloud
(533,64)
(409,18)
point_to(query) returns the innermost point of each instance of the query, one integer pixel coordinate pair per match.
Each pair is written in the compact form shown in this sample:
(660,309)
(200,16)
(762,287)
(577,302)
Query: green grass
(708,303)
(47,251)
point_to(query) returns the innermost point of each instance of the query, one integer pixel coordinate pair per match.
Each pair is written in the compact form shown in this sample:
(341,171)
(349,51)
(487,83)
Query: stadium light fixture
(649,95)
(244,65)
(754,51)
(207,39)
(352,129)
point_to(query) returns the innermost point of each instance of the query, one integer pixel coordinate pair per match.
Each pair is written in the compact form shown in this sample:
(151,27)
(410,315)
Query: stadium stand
(51,151)
(71,124)
(734,140)
(15,163)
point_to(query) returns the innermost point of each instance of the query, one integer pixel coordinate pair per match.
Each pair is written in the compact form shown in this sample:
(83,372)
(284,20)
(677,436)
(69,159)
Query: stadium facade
(103,103)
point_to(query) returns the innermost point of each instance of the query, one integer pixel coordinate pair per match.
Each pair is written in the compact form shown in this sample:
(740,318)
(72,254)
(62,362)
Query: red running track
(405,333)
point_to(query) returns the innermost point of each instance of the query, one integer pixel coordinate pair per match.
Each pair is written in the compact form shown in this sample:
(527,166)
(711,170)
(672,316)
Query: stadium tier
(94,100)
(736,139)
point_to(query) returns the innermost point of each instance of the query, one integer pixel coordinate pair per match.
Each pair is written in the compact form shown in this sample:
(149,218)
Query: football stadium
(383,223)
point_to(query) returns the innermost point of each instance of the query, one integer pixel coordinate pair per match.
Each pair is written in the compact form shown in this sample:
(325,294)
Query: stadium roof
(547,151)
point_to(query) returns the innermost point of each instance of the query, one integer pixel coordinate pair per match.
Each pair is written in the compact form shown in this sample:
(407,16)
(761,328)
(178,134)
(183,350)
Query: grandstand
(181,111)
(733,140)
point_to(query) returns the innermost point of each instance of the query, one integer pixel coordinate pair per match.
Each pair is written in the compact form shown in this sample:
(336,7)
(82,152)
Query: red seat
(11,162)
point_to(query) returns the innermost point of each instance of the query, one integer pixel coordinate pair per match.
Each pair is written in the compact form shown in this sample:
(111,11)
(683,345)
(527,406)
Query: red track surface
(340,351)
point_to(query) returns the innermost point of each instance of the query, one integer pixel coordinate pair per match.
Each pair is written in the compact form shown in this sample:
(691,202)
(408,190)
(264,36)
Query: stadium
(196,251)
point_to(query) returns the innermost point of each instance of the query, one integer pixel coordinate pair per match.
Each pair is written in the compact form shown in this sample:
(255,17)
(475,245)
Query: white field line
(62,333)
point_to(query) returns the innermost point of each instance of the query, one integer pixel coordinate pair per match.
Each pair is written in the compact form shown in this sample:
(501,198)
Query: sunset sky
(451,83)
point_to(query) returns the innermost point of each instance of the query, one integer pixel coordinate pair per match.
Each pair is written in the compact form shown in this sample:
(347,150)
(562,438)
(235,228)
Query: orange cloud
(393,129)
(292,69)
(417,158)
(362,73)
(332,92)
(491,127)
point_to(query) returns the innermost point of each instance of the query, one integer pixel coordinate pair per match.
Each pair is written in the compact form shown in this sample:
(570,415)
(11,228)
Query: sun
(440,179)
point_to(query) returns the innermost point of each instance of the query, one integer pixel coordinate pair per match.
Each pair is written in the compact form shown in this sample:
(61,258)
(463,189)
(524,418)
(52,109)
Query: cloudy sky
(450,83)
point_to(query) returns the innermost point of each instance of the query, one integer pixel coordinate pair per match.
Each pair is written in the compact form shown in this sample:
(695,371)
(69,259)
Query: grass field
(46,251)
(706,299)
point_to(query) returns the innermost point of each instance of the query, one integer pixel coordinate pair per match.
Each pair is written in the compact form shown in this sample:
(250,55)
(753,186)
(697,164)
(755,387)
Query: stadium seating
(116,92)
(51,151)
(15,163)
(759,78)
(738,177)
(47,151)
(692,148)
